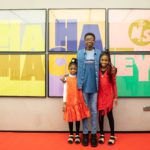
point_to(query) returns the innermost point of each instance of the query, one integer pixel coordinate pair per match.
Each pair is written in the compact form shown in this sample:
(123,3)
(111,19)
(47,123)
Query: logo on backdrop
(139,32)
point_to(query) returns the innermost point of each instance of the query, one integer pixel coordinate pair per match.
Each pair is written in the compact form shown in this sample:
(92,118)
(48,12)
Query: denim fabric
(89,85)
(81,56)
(91,102)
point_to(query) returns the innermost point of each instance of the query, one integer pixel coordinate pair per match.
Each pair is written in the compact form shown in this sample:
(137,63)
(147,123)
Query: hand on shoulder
(113,70)
(63,78)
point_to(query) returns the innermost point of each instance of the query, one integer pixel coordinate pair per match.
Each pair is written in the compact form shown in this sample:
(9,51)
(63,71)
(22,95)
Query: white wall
(39,114)
(46,114)
(74,4)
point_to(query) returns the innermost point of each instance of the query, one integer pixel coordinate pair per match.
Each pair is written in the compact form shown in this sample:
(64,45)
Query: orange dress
(76,108)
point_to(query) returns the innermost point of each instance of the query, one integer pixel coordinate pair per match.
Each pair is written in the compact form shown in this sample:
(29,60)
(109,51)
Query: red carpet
(57,141)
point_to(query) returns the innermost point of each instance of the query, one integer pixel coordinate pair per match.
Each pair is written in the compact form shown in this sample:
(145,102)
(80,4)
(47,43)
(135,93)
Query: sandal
(77,139)
(101,140)
(70,139)
(112,140)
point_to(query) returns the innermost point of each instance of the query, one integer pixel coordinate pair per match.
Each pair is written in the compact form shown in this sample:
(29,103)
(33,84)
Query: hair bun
(74,60)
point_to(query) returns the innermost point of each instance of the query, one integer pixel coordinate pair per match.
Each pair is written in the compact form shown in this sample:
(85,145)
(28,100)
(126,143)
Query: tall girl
(107,95)
(74,106)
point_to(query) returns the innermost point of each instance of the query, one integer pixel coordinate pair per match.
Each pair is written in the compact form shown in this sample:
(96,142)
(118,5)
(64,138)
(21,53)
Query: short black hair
(90,33)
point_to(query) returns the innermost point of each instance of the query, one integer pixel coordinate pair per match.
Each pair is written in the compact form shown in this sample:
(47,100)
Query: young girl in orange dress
(74,106)
(107,95)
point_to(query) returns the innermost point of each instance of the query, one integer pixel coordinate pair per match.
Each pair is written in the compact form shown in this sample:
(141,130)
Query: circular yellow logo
(139,32)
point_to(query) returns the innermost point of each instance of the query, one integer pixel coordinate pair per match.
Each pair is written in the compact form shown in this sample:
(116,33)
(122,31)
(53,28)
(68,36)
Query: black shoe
(85,139)
(94,140)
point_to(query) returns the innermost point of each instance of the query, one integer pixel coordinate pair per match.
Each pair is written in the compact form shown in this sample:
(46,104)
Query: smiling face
(89,41)
(73,69)
(104,61)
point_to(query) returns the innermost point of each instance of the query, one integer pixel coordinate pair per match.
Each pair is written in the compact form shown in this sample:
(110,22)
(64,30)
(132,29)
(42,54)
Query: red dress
(107,92)
(76,108)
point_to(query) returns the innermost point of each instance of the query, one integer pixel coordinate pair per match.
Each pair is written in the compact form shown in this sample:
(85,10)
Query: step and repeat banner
(133,76)
(22,52)
(28,69)
(58,67)
(67,28)
(129,30)
(22,75)
(22,30)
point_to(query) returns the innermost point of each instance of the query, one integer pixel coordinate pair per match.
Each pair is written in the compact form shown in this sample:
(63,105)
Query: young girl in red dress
(74,106)
(107,95)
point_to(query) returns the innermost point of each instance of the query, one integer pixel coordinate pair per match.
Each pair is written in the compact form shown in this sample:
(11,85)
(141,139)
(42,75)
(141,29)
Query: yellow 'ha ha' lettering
(10,66)
(9,36)
(33,38)
(33,67)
